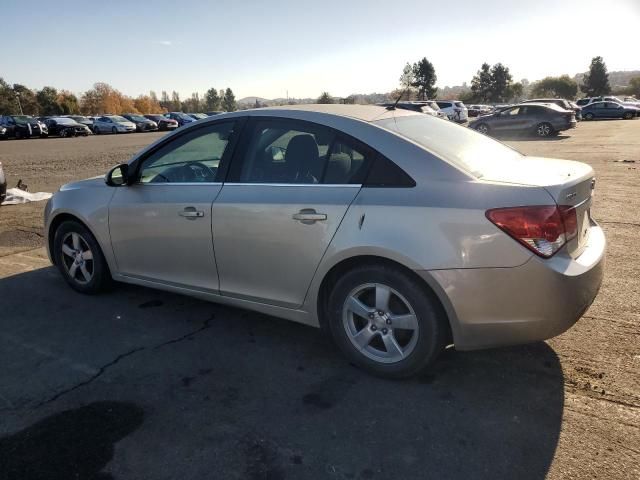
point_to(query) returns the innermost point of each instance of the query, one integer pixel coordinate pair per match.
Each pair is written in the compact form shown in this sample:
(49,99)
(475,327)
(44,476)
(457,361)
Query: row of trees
(494,84)
(103,98)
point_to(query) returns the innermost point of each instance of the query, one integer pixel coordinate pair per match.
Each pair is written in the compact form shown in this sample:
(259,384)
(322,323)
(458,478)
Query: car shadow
(530,138)
(260,397)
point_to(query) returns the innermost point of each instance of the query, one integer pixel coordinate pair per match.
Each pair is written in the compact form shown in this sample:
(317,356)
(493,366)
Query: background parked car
(3,133)
(609,110)
(477,110)
(81,119)
(198,116)
(112,124)
(413,106)
(454,109)
(66,127)
(23,126)
(163,122)
(181,118)
(3,185)
(589,100)
(542,119)
(561,102)
(142,123)
(216,112)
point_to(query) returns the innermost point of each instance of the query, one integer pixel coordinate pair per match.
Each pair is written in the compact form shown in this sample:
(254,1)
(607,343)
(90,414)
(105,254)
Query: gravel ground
(144,384)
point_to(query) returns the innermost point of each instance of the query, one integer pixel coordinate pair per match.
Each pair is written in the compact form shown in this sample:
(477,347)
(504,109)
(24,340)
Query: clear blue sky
(265,48)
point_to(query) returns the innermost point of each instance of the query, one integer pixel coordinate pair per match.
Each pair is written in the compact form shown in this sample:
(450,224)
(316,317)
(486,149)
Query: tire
(96,130)
(64,133)
(18,135)
(114,130)
(483,128)
(69,240)
(588,116)
(544,130)
(628,116)
(413,349)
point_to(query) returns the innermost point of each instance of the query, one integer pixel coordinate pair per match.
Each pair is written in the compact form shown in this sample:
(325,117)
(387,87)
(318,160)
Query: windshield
(137,118)
(468,150)
(118,118)
(183,116)
(78,118)
(23,119)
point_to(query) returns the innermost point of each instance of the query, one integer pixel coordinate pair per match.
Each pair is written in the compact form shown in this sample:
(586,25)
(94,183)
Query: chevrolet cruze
(398,233)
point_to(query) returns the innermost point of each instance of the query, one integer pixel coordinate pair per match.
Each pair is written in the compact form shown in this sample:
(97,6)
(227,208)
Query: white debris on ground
(16,196)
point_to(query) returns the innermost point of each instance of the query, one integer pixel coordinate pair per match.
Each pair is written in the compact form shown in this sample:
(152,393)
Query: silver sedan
(398,233)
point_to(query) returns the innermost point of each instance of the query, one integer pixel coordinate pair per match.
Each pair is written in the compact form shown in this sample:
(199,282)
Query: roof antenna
(393,107)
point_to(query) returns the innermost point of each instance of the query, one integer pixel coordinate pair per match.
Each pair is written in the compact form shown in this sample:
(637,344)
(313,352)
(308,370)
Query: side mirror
(117,176)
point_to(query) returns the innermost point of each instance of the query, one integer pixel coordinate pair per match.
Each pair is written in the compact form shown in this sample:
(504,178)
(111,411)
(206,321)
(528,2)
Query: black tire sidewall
(432,331)
(101,275)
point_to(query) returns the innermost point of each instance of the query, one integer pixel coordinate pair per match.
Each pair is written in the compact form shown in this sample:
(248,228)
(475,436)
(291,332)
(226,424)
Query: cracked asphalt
(138,383)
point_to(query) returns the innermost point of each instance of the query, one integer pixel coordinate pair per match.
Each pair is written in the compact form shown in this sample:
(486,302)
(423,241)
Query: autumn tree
(634,87)
(596,81)
(229,101)
(176,104)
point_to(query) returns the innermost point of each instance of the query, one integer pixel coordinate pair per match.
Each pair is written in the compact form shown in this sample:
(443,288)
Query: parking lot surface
(139,383)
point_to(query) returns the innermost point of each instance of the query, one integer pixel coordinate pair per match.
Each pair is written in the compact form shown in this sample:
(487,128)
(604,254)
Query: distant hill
(616,79)
(252,100)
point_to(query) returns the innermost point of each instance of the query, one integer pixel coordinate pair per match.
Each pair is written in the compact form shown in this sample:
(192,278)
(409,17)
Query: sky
(270,47)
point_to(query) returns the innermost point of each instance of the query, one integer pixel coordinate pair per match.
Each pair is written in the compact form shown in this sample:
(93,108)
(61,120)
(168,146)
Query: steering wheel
(199,170)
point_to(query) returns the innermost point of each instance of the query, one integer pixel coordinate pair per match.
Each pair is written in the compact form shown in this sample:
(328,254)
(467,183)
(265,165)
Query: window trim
(223,166)
(236,163)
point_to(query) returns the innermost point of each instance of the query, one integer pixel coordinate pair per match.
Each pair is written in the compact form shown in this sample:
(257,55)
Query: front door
(161,225)
(288,190)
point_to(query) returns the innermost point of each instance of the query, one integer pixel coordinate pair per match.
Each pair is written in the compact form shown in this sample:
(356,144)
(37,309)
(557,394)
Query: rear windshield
(465,148)
(458,104)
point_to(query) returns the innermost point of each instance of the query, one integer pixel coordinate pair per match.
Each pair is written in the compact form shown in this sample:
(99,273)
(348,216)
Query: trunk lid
(569,183)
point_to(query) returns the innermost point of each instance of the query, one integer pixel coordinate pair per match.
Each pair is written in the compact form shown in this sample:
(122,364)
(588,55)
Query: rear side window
(444,104)
(295,152)
(459,104)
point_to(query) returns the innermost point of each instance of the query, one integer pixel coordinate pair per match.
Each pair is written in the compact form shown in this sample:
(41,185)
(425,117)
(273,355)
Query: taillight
(543,229)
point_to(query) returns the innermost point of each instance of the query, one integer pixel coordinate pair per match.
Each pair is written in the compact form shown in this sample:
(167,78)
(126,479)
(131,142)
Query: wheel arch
(58,220)
(344,265)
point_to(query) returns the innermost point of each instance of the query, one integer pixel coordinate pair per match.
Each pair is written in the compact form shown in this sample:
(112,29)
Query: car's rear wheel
(483,128)
(114,130)
(588,116)
(385,322)
(544,129)
(79,258)
(64,133)
(628,116)
(96,130)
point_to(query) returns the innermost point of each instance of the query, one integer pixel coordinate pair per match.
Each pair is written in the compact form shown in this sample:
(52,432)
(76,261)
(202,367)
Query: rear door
(509,120)
(288,190)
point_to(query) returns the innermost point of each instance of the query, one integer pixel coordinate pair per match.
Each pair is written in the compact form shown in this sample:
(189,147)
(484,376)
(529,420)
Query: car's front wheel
(588,116)
(79,258)
(628,116)
(114,130)
(385,322)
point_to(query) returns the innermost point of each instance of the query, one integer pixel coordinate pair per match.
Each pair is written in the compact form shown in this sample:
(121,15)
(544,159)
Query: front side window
(292,152)
(190,158)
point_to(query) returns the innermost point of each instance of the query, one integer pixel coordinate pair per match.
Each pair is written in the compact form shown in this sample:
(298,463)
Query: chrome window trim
(180,184)
(331,185)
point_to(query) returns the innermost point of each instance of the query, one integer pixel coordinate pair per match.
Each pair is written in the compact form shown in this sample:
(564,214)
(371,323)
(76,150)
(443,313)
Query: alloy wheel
(380,323)
(78,258)
(543,130)
(482,128)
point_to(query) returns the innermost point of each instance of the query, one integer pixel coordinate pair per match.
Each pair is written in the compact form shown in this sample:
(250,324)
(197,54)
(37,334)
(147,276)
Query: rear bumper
(490,307)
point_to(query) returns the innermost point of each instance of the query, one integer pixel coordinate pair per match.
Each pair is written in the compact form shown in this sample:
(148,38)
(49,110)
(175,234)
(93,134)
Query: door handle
(191,213)
(309,216)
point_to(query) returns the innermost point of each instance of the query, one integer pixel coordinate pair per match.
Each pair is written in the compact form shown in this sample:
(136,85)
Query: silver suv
(455,110)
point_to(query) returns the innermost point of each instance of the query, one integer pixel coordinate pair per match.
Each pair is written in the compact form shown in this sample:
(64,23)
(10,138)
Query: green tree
(500,83)
(68,103)
(557,87)
(634,87)
(325,98)
(48,101)
(424,79)
(28,99)
(212,100)
(515,92)
(596,81)
(8,104)
(481,84)
(229,101)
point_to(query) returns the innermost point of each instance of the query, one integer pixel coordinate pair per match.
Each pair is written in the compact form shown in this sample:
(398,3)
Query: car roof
(366,113)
